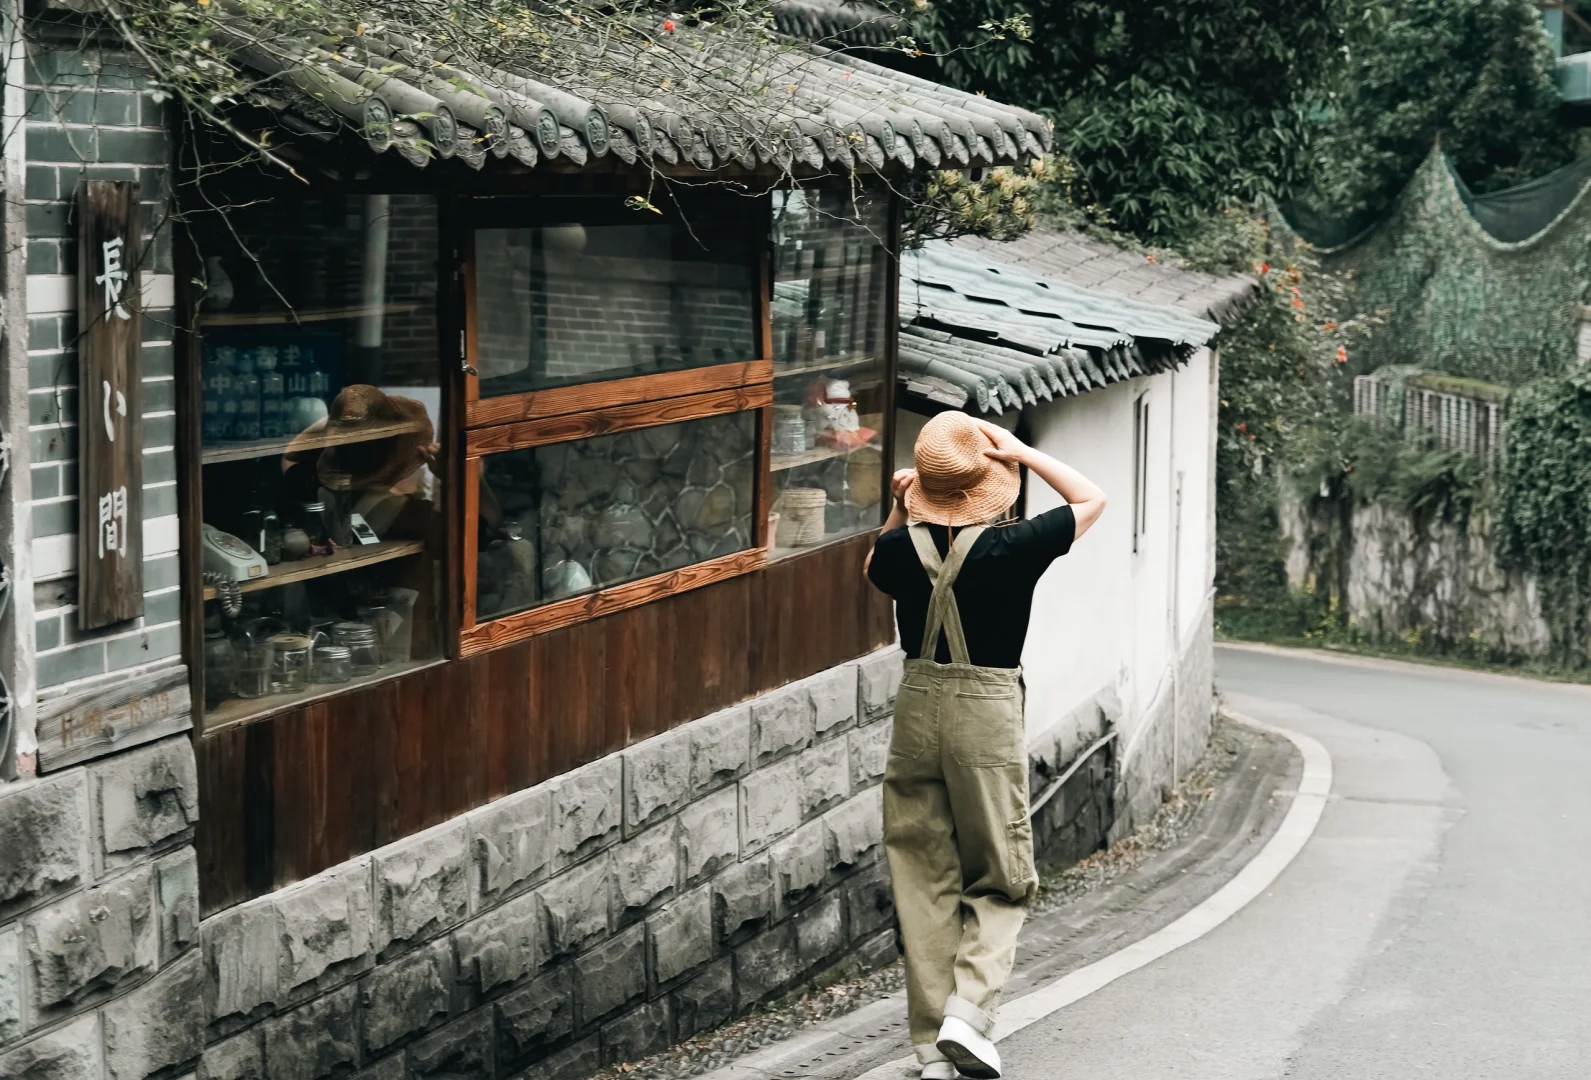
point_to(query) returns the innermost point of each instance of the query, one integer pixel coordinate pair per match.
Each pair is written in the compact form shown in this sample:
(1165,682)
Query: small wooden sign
(110,535)
(74,729)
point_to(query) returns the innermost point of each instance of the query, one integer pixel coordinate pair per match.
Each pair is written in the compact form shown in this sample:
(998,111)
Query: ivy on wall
(1545,512)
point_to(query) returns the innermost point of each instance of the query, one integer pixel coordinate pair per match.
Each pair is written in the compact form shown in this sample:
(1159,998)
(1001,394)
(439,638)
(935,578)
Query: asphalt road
(1437,924)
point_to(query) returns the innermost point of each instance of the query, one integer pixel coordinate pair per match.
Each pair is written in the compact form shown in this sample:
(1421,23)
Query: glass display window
(650,402)
(320,445)
(831,371)
(569,518)
(576,302)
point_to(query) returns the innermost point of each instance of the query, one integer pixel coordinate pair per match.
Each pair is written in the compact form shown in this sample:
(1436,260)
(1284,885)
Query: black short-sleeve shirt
(994,590)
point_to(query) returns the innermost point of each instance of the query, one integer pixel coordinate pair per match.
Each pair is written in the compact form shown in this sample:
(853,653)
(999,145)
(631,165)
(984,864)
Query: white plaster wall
(1081,635)
(1102,616)
(1193,456)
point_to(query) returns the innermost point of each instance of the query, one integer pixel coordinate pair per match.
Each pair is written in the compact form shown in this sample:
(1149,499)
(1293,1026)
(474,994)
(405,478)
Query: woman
(955,790)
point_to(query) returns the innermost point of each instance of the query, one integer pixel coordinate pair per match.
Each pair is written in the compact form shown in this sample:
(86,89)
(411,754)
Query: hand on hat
(901,482)
(1007,447)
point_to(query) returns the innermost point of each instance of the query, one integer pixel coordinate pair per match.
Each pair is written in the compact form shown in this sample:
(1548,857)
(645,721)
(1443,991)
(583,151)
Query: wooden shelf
(291,318)
(307,440)
(831,364)
(352,558)
(780,462)
(237,710)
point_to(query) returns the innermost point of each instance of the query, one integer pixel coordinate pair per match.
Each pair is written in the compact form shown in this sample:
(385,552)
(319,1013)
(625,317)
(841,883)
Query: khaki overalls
(956,816)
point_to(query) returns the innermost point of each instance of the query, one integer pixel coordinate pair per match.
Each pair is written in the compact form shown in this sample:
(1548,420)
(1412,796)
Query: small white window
(1140,470)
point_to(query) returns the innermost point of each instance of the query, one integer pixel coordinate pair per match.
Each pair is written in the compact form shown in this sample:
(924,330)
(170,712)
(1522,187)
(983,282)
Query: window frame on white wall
(1140,470)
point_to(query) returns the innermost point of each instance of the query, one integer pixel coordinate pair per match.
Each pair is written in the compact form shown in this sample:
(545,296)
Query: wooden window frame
(586,410)
(609,393)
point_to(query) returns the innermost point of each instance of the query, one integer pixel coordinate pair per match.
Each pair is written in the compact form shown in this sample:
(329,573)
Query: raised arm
(897,513)
(1082,494)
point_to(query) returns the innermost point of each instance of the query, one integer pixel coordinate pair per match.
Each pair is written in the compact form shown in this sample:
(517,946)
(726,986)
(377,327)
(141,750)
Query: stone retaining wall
(1433,586)
(100,973)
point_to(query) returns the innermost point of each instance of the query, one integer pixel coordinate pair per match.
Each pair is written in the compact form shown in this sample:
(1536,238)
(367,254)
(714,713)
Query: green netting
(1486,286)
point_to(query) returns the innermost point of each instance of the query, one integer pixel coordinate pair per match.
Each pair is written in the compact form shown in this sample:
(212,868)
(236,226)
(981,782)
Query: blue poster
(262,383)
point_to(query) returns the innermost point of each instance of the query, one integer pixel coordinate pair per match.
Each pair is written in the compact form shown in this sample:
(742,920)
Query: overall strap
(942,610)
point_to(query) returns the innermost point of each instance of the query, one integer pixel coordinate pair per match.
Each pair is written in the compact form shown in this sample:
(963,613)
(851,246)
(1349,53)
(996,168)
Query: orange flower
(668,26)
(1342,355)
(1297,303)
(1331,324)
(1152,258)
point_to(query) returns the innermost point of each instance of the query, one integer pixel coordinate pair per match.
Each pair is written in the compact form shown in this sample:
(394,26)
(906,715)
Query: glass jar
(332,663)
(220,668)
(363,645)
(312,519)
(255,668)
(290,670)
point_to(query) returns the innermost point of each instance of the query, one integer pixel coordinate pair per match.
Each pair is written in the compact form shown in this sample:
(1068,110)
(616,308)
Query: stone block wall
(100,973)
(593,919)
(1434,586)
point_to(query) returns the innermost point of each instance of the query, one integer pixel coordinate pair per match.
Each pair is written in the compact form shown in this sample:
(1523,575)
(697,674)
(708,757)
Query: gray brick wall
(605,313)
(91,117)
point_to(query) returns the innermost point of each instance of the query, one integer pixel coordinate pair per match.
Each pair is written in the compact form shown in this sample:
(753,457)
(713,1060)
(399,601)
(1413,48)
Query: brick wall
(603,313)
(100,974)
(88,118)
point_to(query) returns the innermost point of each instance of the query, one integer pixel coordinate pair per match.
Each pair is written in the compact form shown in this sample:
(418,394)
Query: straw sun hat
(957,483)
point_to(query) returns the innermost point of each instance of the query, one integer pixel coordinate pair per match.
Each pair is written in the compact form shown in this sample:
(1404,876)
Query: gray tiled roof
(1073,258)
(852,21)
(789,104)
(986,334)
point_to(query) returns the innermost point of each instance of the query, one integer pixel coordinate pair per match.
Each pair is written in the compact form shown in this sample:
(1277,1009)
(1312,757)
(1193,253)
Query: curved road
(1437,924)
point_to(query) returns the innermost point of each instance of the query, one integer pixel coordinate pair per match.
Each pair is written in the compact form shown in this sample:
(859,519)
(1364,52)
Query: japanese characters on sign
(110,451)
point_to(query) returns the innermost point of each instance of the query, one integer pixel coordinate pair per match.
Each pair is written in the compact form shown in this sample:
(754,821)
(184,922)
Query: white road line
(1280,850)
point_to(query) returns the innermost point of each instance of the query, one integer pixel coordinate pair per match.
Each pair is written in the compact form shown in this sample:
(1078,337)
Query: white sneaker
(972,1054)
(940,1070)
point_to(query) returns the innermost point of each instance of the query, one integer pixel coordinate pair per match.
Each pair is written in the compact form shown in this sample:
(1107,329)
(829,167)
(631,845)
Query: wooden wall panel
(286,797)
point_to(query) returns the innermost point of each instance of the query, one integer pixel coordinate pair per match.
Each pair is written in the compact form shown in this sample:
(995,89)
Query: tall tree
(1165,107)
(1476,73)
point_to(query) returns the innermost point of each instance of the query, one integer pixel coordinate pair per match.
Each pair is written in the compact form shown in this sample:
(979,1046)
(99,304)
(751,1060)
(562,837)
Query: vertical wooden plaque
(110,534)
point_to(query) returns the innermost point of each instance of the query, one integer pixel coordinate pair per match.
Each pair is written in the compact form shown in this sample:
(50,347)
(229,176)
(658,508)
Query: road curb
(850,1045)
(1394,665)
(1253,879)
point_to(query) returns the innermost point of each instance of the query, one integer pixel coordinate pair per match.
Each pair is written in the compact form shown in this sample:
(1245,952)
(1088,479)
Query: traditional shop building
(437,641)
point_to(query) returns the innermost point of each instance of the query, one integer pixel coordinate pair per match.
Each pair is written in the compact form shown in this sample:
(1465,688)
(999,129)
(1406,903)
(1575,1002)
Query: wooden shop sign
(110,534)
(96,722)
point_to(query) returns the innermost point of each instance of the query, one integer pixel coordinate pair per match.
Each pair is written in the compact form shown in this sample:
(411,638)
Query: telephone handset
(226,554)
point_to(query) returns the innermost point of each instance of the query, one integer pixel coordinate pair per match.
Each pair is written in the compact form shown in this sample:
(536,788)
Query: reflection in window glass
(569,518)
(830,296)
(573,303)
(321,496)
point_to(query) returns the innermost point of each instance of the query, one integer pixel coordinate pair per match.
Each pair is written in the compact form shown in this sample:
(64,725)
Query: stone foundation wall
(593,919)
(1120,785)
(100,974)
